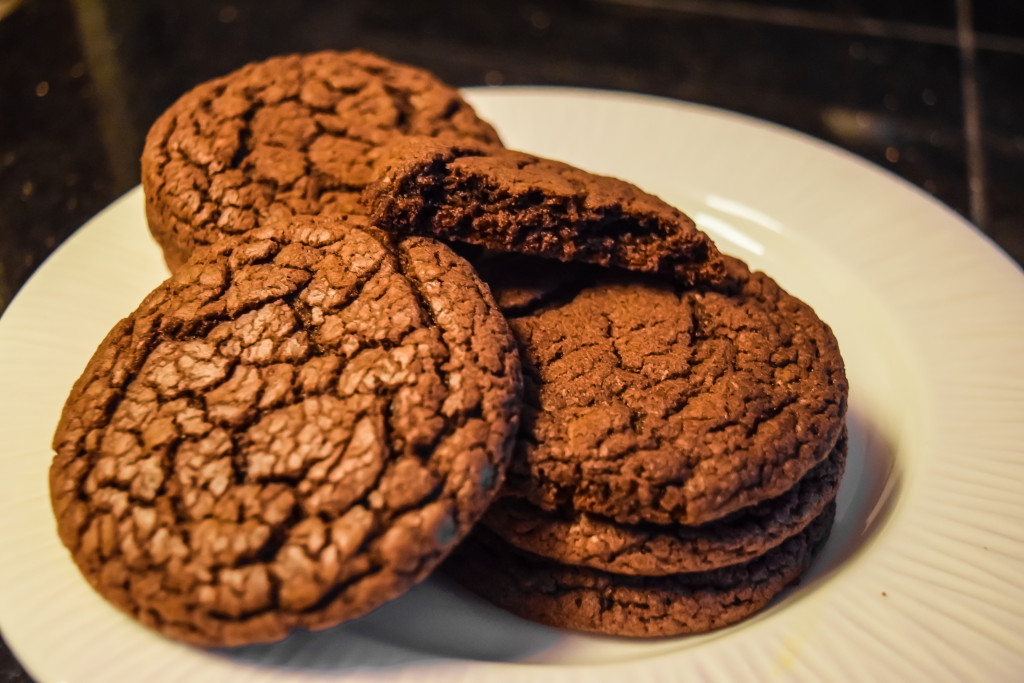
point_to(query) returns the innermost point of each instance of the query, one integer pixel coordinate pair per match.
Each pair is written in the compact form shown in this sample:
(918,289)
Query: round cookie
(294,428)
(644,402)
(584,599)
(296,134)
(654,550)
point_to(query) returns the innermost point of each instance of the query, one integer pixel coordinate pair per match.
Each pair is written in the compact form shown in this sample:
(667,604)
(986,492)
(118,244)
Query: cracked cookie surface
(508,201)
(297,134)
(644,402)
(591,600)
(291,430)
(655,549)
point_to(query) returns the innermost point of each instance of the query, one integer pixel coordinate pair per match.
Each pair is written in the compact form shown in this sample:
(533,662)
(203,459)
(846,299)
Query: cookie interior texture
(293,429)
(584,599)
(645,402)
(656,549)
(296,134)
(513,202)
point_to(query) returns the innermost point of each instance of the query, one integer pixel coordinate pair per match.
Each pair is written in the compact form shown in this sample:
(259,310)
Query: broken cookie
(511,202)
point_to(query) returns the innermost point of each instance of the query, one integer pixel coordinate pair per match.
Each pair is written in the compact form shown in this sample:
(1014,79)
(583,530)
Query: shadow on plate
(866,496)
(434,622)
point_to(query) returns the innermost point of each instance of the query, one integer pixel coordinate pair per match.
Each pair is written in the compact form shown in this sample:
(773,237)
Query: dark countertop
(925,88)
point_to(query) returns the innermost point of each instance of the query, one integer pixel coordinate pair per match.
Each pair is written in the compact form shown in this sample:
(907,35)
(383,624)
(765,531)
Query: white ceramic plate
(922,578)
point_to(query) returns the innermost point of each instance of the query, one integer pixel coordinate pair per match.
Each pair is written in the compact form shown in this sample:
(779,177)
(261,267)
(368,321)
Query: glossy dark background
(930,89)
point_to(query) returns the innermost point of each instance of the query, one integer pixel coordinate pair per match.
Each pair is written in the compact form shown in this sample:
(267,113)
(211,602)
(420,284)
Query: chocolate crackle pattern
(293,429)
(513,202)
(297,134)
(649,549)
(644,402)
(585,599)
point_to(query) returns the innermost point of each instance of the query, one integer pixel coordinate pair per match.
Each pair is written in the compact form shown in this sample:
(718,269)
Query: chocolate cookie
(294,428)
(655,550)
(291,135)
(645,402)
(508,201)
(585,599)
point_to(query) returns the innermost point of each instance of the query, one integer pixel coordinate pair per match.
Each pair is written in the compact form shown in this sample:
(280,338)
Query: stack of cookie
(682,432)
(615,427)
